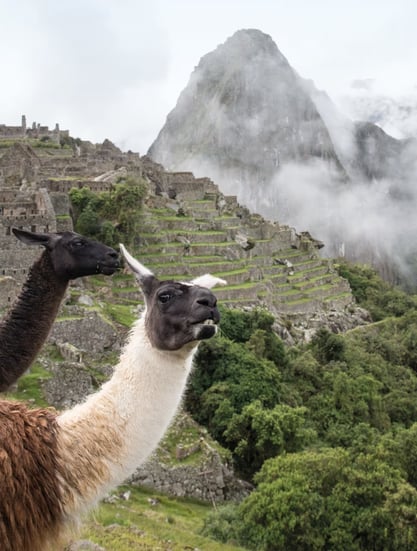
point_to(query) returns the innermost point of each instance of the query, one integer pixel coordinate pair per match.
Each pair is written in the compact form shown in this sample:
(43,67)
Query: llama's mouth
(208,321)
(108,269)
(204,329)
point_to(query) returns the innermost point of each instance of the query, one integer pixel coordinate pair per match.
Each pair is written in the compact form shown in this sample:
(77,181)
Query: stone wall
(87,331)
(210,480)
(8,291)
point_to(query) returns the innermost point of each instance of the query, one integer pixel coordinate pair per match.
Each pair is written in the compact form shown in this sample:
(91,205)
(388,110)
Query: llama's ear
(209,281)
(47,240)
(142,274)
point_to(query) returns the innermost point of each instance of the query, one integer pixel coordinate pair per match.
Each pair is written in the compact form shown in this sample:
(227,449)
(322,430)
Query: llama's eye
(165,297)
(78,243)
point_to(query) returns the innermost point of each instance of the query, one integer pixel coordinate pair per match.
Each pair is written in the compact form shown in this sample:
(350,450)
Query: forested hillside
(326,431)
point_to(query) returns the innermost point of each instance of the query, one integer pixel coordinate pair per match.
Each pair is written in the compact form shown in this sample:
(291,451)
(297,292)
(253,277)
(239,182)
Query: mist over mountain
(395,114)
(265,134)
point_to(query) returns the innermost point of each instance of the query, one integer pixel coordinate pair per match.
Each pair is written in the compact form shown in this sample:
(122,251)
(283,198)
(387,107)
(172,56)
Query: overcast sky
(114,68)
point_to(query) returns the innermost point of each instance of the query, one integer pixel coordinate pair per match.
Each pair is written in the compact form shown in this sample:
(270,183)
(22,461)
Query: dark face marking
(178,314)
(72,254)
(77,256)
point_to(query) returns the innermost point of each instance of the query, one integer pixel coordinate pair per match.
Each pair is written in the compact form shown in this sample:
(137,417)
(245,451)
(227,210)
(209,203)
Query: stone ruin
(34,186)
(35,131)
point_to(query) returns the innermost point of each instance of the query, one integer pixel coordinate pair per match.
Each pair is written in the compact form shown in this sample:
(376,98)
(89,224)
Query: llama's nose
(113,254)
(206,298)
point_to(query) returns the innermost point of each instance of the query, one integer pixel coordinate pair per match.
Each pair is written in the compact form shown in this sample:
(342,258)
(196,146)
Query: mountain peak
(252,42)
(244,46)
(244,107)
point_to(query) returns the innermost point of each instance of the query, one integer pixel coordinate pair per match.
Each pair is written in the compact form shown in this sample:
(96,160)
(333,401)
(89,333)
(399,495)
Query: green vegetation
(327,431)
(110,216)
(374,294)
(29,386)
(150,521)
(120,313)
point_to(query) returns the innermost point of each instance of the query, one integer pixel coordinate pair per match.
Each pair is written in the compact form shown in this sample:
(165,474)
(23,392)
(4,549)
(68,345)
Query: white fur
(139,402)
(209,281)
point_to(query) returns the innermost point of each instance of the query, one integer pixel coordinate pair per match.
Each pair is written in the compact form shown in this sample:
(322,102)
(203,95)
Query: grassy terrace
(306,273)
(248,285)
(207,249)
(212,265)
(345,294)
(193,261)
(168,216)
(290,292)
(312,281)
(300,301)
(319,288)
(155,246)
(183,232)
(6,142)
(231,272)
(150,521)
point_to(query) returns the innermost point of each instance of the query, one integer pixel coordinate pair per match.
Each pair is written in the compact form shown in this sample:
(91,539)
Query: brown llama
(26,326)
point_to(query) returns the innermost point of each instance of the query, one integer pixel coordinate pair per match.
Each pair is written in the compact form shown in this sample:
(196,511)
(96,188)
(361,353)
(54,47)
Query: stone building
(36,131)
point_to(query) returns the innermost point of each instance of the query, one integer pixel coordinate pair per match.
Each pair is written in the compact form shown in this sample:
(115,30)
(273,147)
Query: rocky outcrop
(196,468)
(86,330)
(210,480)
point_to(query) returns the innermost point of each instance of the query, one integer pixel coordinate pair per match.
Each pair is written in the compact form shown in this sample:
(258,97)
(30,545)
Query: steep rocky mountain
(244,111)
(262,132)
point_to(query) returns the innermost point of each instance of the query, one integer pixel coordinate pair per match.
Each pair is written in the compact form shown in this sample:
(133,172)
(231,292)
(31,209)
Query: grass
(181,232)
(340,295)
(231,272)
(150,521)
(248,285)
(29,389)
(120,313)
(186,432)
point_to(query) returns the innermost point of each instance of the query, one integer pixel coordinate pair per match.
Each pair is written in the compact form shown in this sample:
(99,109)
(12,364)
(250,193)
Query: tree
(329,499)
(88,222)
(246,377)
(259,433)
(328,346)
(110,216)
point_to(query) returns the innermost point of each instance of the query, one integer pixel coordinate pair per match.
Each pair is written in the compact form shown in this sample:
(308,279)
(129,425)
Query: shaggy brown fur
(30,500)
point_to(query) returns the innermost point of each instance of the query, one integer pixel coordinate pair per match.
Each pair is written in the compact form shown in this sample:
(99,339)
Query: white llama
(55,467)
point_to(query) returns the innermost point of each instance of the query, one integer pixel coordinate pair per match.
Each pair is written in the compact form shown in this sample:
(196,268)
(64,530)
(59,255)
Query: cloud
(90,63)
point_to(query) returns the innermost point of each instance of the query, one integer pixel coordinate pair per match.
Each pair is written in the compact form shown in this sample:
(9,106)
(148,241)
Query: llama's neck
(26,326)
(114,431)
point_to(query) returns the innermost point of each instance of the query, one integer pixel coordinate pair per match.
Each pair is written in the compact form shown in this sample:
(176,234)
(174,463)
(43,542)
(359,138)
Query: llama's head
(177,313)
(73,255)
